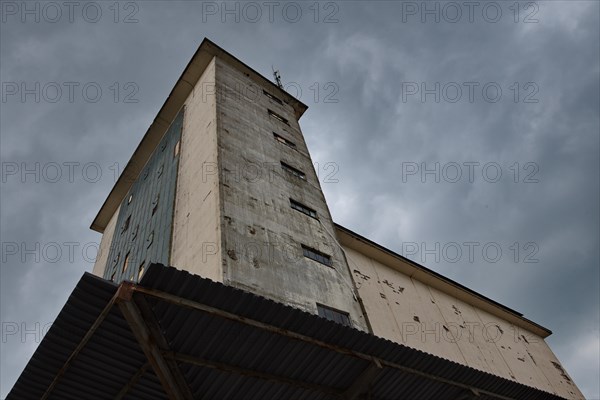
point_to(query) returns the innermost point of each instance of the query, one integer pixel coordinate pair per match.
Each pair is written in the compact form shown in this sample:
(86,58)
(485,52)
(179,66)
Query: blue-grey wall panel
(145,222)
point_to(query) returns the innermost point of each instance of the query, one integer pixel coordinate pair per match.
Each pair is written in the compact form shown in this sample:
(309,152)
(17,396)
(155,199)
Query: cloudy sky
(459,125)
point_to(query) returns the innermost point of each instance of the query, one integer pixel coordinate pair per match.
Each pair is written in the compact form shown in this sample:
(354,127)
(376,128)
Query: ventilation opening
(278,117)
(270,96)
(303,209)
(293,170)
(283,140)
(334,315)
(317,256)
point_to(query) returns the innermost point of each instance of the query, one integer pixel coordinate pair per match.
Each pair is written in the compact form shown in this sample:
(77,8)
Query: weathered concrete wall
(196,230)
(105,243)
(407,311)
(261,233)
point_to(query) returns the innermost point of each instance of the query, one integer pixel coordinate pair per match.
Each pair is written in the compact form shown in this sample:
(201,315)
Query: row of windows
(273,113)
(278,117)
(329,313)
(296,172)
(281,139)
(308,252)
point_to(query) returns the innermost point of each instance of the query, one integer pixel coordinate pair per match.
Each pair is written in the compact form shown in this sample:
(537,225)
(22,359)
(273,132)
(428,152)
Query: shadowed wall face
(277,232)
(145,222)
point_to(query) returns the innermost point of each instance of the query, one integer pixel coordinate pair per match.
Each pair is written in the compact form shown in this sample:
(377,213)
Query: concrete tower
(223,186)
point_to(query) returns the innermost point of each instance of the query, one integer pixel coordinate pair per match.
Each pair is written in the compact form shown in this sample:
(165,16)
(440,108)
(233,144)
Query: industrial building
(221,275)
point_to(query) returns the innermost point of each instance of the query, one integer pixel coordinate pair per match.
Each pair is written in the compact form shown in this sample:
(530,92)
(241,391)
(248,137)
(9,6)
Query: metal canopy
(179,336)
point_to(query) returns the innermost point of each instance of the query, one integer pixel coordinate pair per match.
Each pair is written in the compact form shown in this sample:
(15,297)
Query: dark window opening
(303,209)
(334,315)
(293,170)
(278,117)
(275,99)
(283,140)
(112,276)
(317,256)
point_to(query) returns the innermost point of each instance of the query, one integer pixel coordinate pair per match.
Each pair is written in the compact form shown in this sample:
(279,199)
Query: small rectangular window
(303,209)
(283,140)
(317,256)
(293,170)
(135,232)
(278,117)
(141,270)
(275,99)
(176,149)
(334,315)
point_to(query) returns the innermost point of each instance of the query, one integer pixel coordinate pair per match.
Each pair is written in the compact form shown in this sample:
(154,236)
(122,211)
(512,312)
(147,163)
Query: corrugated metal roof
(242,355)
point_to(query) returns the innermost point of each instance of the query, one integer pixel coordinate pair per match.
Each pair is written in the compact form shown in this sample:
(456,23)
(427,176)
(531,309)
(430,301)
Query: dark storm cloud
(354,75)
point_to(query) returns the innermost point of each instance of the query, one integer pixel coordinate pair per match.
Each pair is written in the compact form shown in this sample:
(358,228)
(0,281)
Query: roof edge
(176,99)
(182,290)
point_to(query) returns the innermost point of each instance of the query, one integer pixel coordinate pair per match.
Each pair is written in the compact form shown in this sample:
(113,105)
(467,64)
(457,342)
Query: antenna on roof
(277,77)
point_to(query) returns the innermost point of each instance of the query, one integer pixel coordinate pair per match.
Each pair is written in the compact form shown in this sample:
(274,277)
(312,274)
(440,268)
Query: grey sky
(358,65)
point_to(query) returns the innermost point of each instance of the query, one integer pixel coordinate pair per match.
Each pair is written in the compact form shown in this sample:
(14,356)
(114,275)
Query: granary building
(221,275)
